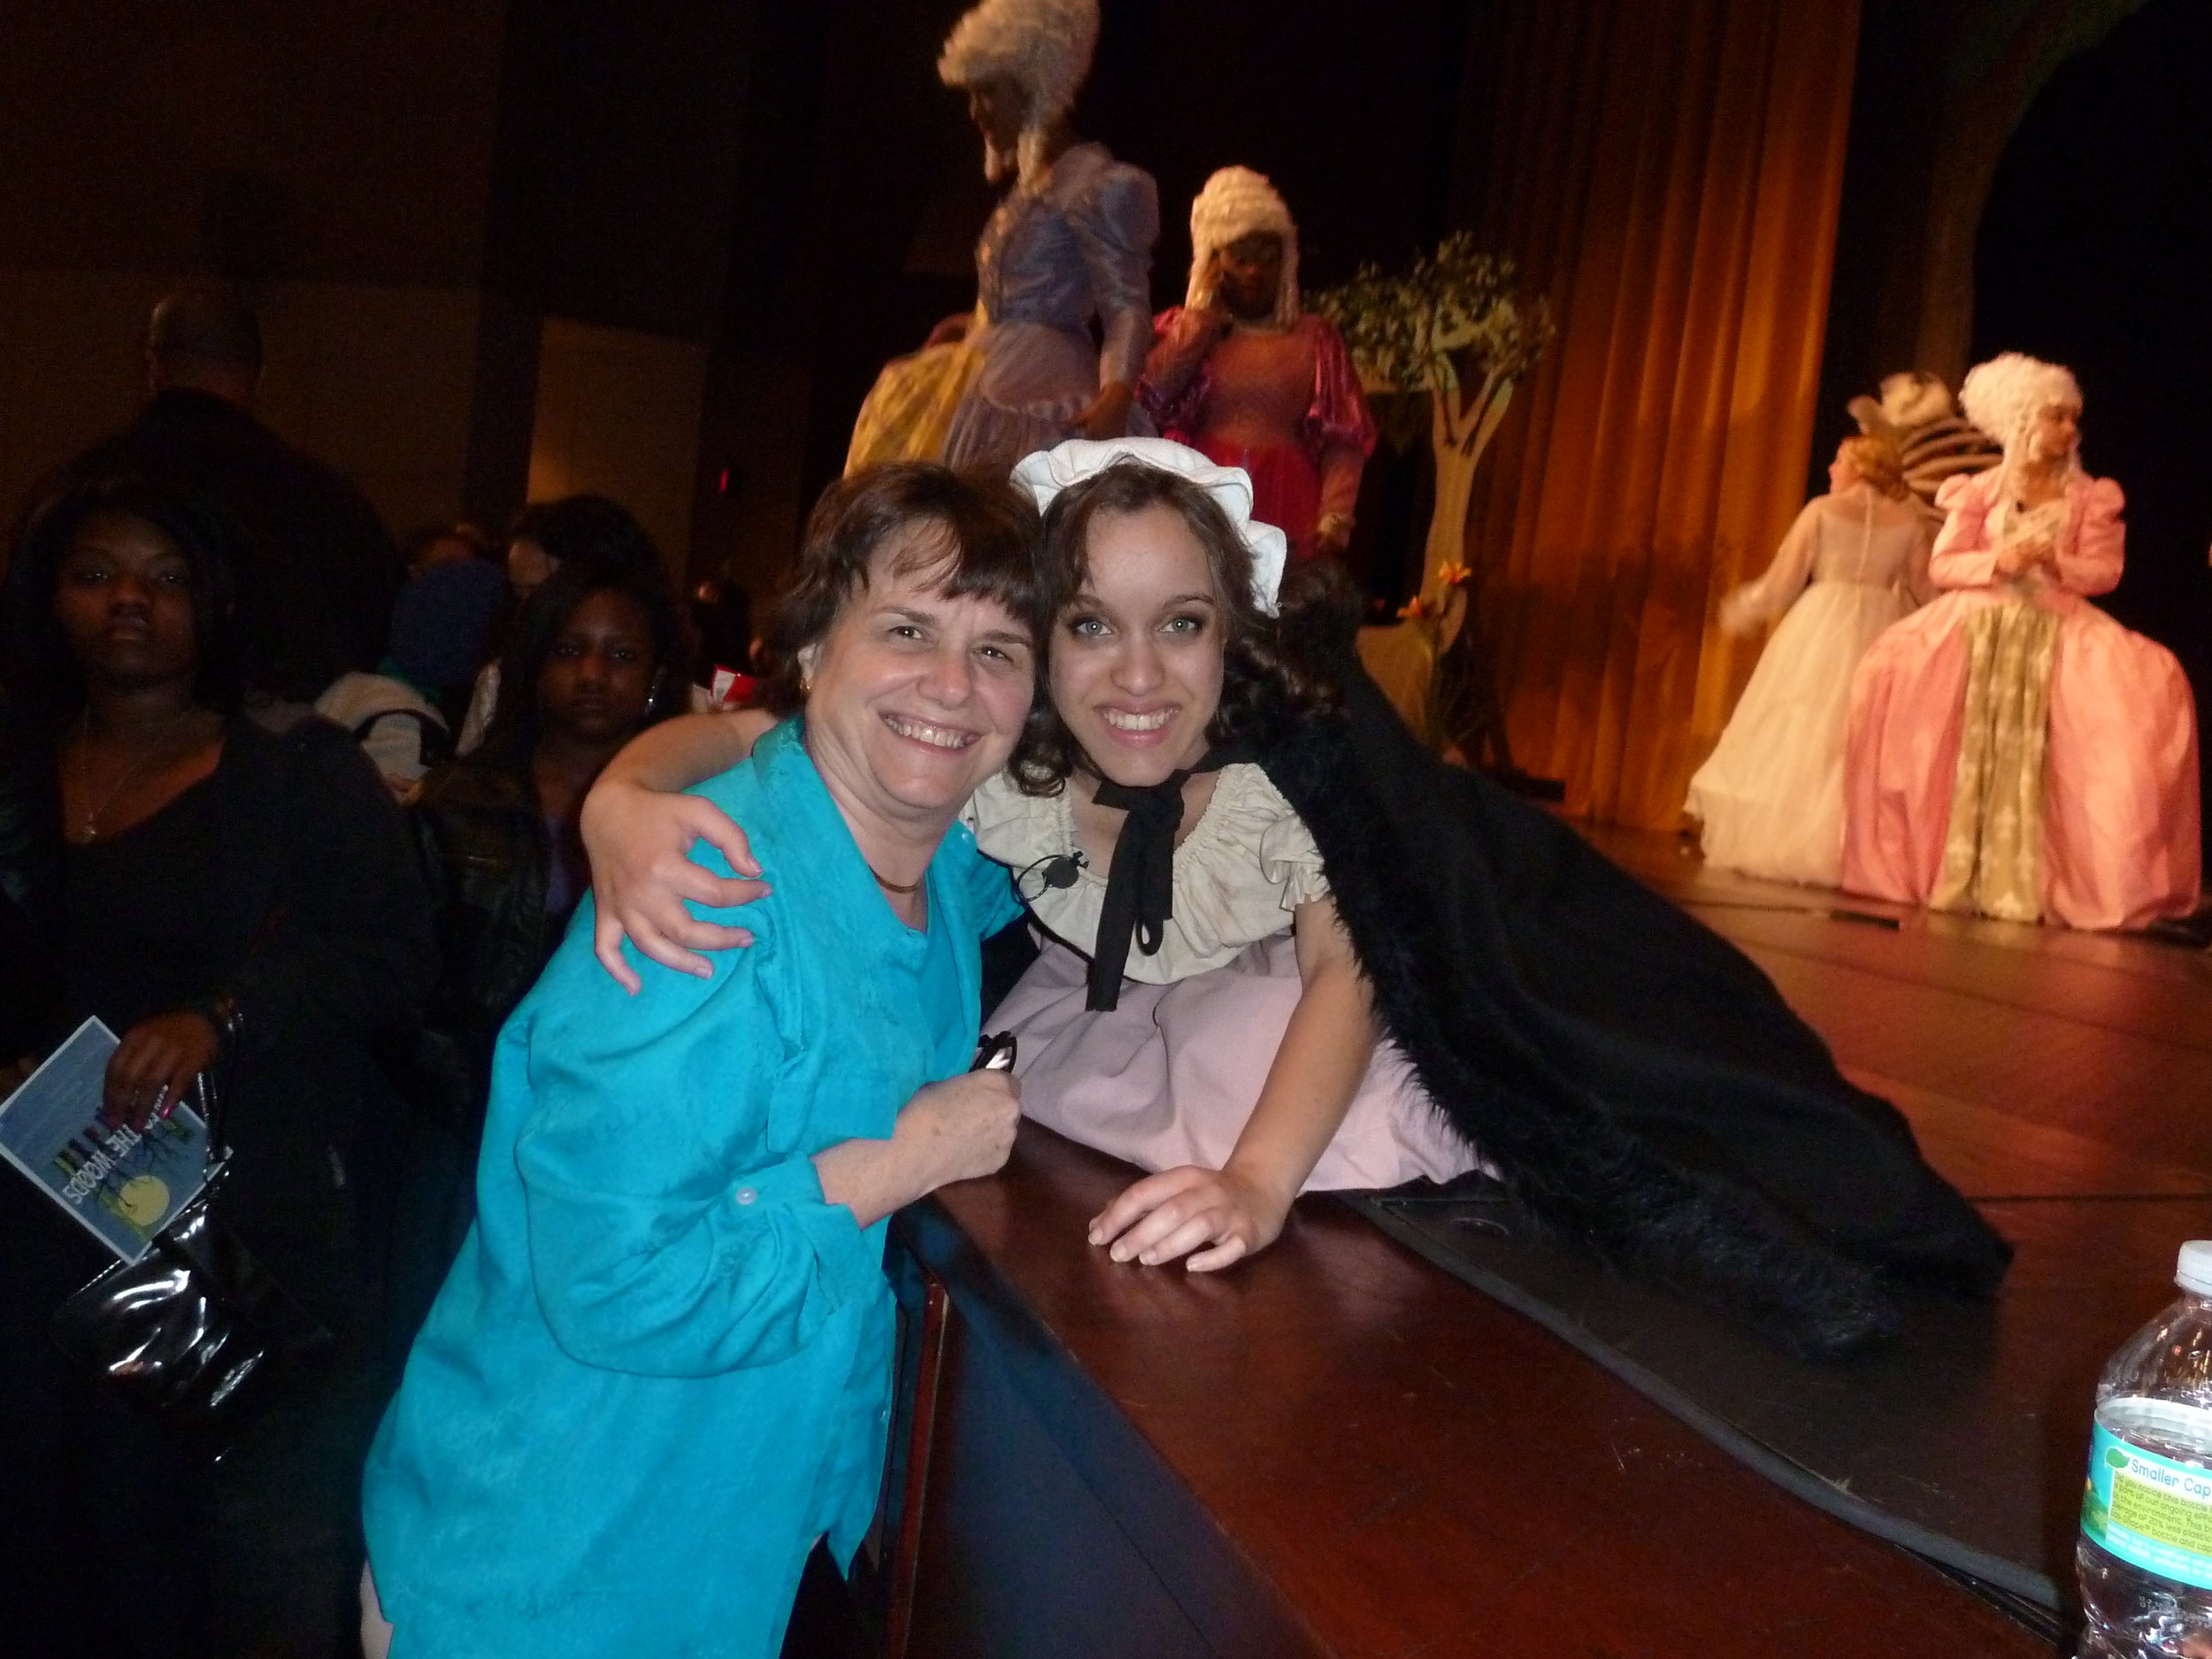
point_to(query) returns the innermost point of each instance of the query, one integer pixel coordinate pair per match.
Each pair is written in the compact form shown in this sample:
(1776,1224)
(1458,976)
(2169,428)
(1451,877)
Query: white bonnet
(1048,472)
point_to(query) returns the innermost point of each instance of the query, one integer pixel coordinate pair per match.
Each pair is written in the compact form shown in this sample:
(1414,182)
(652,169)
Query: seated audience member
(403,714)
(232,902)
(546,535)
(658,1372)
(446,544)
(596,655)
(316,570)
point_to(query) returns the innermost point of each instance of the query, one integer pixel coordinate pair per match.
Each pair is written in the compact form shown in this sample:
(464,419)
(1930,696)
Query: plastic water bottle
(2146,1551)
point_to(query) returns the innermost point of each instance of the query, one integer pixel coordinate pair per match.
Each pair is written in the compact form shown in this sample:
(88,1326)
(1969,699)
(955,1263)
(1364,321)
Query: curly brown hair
(1261,683)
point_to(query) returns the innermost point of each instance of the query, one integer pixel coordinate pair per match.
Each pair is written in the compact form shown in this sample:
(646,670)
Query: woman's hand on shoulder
(153,1068)
(639,843)
(1217,1213)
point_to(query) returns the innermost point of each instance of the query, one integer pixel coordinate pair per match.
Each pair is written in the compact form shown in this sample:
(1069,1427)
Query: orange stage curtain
(1668,172)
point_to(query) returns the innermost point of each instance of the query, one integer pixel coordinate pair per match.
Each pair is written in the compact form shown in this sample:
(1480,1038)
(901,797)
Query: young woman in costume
(1070,245)
(1295,873)
(2013,750)
(1770,800)
(1240,373)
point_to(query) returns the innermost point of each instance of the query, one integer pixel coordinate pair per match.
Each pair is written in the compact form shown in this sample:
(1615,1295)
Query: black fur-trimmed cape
(1637,1081)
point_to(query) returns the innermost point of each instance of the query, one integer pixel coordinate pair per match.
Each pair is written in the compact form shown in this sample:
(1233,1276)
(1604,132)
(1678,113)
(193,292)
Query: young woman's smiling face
(1136,660)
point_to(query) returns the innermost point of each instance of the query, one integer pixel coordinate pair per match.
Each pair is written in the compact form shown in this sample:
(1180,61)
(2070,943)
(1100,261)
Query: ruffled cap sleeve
(1339,414)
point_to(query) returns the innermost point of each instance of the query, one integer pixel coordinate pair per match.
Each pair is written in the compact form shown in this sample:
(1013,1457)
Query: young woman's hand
(154,1067)
(1168,1216)
(639,843)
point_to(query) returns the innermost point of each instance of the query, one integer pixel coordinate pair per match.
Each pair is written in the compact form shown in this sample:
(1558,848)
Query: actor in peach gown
(2116,745)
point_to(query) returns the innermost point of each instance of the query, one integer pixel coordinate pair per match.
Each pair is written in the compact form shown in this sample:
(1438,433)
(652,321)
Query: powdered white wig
(2003,396)
(1043,46)
(1237,202)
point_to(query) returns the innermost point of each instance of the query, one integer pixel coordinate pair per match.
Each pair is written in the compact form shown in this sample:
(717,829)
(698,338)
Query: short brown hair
(1257,679)
(987,541)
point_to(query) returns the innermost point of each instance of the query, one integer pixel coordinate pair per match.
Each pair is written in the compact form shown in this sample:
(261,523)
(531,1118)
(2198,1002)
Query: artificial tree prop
(1449,332)
(1452,330)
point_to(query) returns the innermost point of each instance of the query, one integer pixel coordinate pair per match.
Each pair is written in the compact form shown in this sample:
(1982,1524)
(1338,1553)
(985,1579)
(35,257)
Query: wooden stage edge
(1338,1450)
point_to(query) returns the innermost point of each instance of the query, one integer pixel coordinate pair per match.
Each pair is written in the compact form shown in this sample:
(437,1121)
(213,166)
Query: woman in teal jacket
(660,1369)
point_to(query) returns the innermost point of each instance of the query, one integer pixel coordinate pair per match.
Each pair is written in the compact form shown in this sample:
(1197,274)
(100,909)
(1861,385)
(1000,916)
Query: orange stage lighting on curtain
(1668,172)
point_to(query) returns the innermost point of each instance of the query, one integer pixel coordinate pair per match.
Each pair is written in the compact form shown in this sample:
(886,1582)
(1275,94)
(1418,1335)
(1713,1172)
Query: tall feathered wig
(2002,397)
(1043,46)
(1237,202)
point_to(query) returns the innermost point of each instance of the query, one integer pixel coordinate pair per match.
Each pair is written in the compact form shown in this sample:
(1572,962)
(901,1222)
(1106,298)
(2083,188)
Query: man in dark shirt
(316,571)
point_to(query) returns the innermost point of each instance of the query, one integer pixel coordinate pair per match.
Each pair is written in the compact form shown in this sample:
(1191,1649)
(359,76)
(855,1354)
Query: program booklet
(123,1185)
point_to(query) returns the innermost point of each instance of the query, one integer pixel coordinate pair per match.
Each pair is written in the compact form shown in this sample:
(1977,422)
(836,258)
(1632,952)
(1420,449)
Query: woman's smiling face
(1136,660)
(917,696)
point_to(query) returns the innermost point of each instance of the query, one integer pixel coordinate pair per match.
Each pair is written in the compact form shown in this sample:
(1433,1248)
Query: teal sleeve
(664,1239)
(991,897)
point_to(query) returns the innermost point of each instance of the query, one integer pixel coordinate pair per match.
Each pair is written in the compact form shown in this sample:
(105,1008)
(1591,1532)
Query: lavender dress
(1049,262)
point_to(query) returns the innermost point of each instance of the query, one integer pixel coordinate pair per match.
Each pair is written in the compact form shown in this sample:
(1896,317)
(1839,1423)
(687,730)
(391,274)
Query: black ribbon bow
(1141,881)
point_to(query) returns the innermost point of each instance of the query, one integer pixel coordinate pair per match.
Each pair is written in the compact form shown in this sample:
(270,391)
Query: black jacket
(315,570)
(487,859)
(326,944)
(1638,1081)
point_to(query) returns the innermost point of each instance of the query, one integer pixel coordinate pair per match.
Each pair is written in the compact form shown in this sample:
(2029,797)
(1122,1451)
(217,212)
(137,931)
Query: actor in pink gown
(1239,373)
(2115,744)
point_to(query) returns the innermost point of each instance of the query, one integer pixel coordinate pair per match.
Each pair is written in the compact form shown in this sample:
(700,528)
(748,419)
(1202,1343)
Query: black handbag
(195,1334)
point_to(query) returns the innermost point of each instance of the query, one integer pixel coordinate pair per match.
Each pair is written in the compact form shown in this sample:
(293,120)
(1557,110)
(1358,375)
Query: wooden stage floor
(1338,1449)
(2035,1063)
(2063,1082)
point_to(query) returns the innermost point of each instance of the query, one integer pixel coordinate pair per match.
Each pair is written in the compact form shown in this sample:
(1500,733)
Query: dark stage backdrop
(2094,251)
(1666,170)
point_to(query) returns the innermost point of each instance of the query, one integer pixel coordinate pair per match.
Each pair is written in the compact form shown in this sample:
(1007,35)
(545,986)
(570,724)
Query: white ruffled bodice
(1245,865)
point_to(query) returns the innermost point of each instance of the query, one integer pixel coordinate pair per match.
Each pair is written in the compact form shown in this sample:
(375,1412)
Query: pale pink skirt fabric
(1169,1077)
(2120,825)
